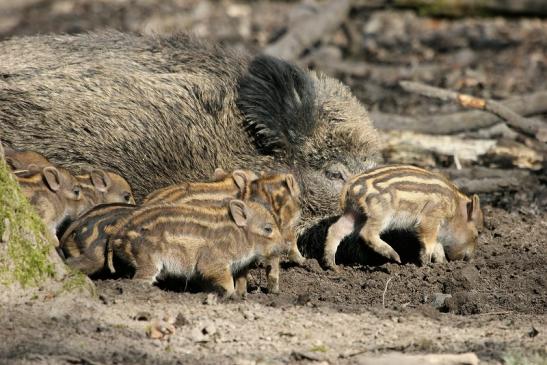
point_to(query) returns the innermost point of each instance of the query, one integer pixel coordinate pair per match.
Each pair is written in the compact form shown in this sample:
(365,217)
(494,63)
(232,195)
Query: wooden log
(503,153)
(465,149)
(304,34)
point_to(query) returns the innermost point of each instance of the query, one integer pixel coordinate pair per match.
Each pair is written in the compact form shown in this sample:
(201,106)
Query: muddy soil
(496,309)
(493,305)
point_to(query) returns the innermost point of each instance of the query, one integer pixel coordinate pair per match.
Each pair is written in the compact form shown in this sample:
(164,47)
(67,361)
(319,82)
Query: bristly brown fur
(55,194)
(216,241)
(160,111)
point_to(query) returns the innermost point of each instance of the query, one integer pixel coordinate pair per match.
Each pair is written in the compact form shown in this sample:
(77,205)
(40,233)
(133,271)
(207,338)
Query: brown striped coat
(103,187)
(55,194)
(216,241)
(85,241)
(408,197)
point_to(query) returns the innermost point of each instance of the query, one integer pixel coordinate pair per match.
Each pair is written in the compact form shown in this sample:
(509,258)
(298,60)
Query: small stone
(209,329)
(103,299)
(533,332)
(249,315)
(438,300)
(159,330)
(211,299)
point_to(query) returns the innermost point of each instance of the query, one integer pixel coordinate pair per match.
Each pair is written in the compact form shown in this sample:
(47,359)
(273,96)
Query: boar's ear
(239,212)
(292,185)
(52,178)
(277,100)
(219,174)
(100,179)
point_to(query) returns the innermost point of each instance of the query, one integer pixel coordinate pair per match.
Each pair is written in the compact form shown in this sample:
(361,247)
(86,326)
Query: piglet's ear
(100,179)
(241,179)
(292,185)
(239,212)
(474,212)
(219,174)
(52,178)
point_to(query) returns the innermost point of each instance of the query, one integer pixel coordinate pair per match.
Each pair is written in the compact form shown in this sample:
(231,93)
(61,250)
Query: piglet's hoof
(273,289)
(331,266)
(298,259)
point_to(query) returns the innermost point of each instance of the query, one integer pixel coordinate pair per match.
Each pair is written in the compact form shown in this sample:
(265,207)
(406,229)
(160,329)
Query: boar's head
(311,125)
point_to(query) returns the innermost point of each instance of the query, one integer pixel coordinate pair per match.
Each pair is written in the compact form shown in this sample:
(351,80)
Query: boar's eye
(334,175)
(268,229)
(127,196)
(336,171)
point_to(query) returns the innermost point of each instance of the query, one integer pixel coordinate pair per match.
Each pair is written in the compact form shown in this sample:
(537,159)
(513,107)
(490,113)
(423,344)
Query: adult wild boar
(164,110)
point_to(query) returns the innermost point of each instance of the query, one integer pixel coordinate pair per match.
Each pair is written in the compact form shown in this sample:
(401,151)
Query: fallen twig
(384,293)
(529,104)
(494,313)
(309,31)
(527,126)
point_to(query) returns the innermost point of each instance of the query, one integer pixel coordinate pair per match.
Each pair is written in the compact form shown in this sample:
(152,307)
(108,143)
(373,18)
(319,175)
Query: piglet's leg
(272,272)
(90,262)
(220,276)
(294,254)
(427,232)
(241,283)
(337,232)
(438,254)
(370,233)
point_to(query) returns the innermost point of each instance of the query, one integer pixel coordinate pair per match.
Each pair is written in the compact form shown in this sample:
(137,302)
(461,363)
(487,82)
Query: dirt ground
(493,305)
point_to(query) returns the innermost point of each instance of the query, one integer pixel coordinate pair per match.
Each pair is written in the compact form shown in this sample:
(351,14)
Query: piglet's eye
(268,229)
(76,190)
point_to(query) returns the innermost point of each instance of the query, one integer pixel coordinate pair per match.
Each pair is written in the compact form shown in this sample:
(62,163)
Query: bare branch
(309,31)
(527,126)
(529,104)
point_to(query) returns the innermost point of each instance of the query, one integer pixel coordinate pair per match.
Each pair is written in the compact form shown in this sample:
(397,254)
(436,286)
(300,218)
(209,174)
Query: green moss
(26,259)
(76,280)
(319,348)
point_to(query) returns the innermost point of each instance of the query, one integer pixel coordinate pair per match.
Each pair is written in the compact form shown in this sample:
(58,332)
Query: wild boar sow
(160,111)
